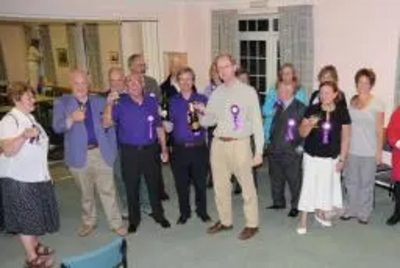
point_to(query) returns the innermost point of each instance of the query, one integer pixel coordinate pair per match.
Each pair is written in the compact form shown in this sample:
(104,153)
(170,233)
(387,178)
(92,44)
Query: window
(259,51)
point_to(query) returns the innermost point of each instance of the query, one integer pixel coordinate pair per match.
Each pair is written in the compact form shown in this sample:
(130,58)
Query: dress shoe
(276,207)
(294,212)
(395,219)
(218,227)
(164,223)
(248,233)
(301,230)
(363,221)
(204,217)
(238,190)
(346,218)
(182,219)
(132,228)
(121,231)
(86,230)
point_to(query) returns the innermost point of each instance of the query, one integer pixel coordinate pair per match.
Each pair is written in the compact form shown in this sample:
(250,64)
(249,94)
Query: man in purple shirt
(139,126)
(89,152)
(189,159)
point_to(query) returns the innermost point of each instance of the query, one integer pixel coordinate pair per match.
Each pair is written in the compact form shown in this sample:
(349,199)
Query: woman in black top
(326,129)
(328,73)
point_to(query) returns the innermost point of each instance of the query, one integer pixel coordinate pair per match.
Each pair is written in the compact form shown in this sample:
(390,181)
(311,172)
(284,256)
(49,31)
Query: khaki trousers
(234,157)
(97,176)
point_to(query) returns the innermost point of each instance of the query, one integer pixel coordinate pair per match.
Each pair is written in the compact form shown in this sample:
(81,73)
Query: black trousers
(190,164)
(137,161)
(1,206)
(285,168)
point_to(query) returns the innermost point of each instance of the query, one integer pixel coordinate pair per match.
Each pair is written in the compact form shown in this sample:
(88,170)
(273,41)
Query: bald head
(79,83)
(116,79)
(175,65)
(134,85)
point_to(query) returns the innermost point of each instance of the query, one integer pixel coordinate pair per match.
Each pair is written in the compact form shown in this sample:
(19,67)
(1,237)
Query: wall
(357,33)
(12,38)
(109,37)
(58,39)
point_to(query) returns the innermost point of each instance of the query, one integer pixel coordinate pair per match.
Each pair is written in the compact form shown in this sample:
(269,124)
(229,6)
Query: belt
(141,147)
(92,146)
(227,139)
(191,144)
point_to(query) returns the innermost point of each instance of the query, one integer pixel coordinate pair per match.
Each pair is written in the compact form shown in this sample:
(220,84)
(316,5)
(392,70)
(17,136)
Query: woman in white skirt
(326,129)
(30,207)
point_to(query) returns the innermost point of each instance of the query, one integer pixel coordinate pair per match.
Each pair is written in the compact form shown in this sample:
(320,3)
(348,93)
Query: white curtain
(71,37)
(224,36)
(93,57)
(151,49)
(296,38)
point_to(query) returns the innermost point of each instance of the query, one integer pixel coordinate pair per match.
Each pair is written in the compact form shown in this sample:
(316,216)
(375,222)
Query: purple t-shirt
(178,111)
(136,123)
(89,124)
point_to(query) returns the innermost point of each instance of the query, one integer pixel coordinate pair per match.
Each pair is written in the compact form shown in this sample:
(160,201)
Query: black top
(326,143)
(340,103)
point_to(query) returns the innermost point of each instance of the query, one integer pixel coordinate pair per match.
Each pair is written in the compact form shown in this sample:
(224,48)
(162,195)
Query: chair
(112,255)
(383,171)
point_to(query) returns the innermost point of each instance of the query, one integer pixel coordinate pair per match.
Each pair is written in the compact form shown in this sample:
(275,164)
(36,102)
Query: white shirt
(29,164)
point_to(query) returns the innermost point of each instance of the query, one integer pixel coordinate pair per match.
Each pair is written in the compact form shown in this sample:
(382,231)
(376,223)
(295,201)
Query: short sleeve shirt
(323,142)
(29,164)
(363,138)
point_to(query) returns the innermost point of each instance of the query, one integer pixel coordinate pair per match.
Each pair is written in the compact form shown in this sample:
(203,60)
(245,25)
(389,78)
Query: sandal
(43,250)
(35,263)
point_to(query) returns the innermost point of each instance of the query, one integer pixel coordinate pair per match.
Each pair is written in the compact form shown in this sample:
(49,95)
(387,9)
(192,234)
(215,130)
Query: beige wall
(12,39)
(58,38)
(109,42)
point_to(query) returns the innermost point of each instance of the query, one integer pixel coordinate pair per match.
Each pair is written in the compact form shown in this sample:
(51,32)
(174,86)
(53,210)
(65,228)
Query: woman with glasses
(30,207)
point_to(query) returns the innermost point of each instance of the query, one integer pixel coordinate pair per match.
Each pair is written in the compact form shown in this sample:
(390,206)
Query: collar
(287,103)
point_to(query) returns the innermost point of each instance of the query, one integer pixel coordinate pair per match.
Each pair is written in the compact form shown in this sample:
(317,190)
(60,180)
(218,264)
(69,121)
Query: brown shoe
(247,233)
(121,231)
(86,230)
(218,227)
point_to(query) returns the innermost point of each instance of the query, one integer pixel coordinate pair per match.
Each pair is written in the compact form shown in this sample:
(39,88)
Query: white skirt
(321,188)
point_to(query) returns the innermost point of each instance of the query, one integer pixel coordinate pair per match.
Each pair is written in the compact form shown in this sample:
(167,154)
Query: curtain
(48,67)
(296,38)
(3,69)
(151,49)
(224,38)
(71,36)
(397,88)
(92,49)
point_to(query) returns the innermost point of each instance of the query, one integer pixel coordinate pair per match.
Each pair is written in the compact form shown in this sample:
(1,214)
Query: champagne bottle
(164,106)
(193,119)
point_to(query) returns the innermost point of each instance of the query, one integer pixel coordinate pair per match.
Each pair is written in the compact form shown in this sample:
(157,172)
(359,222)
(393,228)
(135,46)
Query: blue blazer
(75,138)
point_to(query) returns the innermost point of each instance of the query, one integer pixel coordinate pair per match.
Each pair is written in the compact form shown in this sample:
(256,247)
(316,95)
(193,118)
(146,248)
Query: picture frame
(113,57)
(62,57)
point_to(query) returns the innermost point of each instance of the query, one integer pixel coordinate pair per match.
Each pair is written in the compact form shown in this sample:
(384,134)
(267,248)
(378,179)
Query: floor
(347,244)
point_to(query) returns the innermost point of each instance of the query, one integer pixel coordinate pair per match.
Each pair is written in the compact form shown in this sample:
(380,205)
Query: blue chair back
(112,255)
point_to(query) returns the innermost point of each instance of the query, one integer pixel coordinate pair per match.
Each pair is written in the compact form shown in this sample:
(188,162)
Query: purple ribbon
(289,130)
(278,104)
(150,118)
(235,110)
(326,128)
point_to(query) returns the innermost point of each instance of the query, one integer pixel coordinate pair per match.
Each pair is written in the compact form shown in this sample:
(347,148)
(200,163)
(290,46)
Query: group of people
(127,132)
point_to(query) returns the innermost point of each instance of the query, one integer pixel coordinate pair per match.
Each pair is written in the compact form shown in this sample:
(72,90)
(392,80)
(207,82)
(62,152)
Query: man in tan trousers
(234,109)
(90,152)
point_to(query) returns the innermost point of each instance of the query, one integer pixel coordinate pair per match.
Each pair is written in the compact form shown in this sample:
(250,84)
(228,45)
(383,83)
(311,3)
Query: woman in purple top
(189,159)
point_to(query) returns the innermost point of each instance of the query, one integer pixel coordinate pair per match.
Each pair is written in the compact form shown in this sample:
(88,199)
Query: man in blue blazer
(89,152)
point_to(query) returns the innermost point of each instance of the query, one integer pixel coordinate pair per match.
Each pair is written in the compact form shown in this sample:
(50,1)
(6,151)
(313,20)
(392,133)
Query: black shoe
(204,217)
(210,184)
(164,223)
(294,212)
(132,228)
(182,219)
(276,207)
(164,196)
(395,219)
(346,218)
